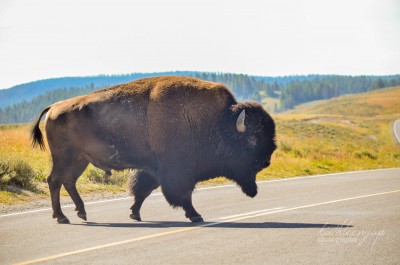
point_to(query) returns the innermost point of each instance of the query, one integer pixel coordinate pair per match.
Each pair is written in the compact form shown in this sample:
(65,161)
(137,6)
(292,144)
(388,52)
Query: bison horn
(240,122)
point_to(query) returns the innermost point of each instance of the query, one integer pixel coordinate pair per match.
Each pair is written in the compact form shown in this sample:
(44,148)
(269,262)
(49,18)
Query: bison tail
(36,134)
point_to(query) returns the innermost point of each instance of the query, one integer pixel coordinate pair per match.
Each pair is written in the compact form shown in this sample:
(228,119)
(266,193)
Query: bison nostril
(267,163)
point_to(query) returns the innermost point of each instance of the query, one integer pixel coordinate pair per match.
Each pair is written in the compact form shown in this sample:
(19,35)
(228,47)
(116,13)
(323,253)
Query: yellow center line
(177,231)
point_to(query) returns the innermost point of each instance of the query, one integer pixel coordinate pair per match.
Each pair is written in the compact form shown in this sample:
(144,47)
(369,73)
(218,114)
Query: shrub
(285,147)
(95,175)
(119,178)
(362,154)
(17,173)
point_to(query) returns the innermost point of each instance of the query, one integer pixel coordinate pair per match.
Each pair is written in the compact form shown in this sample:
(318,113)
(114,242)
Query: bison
(175,131)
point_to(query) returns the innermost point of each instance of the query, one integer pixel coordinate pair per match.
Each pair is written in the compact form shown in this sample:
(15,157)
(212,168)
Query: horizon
(44,40)
(183,71)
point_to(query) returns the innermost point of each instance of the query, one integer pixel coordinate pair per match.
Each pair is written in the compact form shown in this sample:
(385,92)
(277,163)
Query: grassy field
(19,160)
(347,133)
(343,134)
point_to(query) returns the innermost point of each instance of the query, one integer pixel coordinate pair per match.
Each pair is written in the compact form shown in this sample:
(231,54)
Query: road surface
(396,130)
(349,218)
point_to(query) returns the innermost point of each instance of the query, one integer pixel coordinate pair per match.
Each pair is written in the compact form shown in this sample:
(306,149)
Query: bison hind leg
(141,184)
(76,198)
(55,187)
(71,176)
(66,170)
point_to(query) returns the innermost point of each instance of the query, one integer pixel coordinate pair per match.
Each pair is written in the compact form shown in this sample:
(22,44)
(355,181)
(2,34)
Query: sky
(45,38)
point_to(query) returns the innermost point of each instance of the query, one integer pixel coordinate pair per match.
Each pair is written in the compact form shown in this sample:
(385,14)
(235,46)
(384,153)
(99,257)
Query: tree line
(289,91)
(26,111)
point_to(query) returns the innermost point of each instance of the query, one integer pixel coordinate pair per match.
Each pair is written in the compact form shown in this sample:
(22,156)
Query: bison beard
(174,131)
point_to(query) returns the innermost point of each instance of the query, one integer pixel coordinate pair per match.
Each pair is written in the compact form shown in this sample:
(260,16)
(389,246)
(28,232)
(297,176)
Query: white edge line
(205,188)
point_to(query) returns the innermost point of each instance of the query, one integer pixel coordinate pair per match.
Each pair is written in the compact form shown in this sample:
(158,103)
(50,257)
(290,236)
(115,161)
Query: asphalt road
(349,218)
(396,130)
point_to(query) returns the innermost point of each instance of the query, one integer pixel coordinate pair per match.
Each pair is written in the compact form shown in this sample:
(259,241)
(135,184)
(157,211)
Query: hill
(379,102)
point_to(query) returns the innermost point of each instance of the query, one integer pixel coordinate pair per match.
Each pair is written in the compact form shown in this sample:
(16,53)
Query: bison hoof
(135,217)
(196,219)
(63,220)
(82,216)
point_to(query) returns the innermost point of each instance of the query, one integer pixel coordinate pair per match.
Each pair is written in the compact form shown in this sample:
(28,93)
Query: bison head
(252,142)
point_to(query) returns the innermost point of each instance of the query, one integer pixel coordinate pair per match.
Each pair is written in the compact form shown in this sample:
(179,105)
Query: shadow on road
(165,224)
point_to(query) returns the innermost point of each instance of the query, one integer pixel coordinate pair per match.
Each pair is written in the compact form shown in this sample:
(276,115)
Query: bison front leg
(141,185)
(190,212)
(179,195)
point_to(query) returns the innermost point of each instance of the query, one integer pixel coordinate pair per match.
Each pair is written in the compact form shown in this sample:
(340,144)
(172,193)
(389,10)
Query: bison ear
(240,122)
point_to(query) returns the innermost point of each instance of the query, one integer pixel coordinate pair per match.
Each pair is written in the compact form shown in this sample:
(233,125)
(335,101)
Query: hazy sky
(48,38)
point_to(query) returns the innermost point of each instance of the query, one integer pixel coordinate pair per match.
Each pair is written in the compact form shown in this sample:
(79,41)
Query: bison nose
(267,163)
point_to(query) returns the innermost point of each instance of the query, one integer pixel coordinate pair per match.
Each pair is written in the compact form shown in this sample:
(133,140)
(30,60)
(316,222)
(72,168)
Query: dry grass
(15,144)
(308,148)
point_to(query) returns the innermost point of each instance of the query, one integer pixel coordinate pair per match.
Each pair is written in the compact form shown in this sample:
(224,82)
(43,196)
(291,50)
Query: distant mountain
(24,102)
